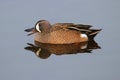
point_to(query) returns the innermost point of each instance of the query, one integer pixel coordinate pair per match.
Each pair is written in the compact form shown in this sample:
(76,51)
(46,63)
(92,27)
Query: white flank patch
(38,52)
(38,27)
(83,36)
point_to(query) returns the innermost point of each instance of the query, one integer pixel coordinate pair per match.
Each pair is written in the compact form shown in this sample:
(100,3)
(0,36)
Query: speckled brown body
(62,36)
(62,33)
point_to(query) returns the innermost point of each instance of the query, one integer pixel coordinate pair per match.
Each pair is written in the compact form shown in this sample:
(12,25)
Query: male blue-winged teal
(62,33)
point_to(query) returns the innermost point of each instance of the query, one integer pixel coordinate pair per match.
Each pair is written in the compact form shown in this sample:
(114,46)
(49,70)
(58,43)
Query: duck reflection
(44,50)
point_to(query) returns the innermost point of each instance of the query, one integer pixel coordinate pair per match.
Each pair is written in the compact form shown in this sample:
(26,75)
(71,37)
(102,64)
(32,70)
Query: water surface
(20,64)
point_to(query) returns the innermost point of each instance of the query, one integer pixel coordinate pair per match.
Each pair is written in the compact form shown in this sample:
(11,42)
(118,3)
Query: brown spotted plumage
(62,33)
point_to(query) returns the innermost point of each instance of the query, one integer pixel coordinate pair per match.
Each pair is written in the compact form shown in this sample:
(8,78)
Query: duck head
(40,26)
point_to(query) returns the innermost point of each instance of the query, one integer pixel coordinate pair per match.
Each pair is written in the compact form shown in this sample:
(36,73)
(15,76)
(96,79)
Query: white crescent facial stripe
(38,28)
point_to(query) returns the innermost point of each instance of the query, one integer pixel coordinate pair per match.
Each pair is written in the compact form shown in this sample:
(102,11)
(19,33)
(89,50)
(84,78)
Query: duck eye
(37,27)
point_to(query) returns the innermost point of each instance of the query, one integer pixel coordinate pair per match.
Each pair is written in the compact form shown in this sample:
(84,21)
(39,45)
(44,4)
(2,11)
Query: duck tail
(93,33)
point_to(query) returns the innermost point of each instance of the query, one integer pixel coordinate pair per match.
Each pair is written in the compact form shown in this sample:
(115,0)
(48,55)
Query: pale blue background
(19,64)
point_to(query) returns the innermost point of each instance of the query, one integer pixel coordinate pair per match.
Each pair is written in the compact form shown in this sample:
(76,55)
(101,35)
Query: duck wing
(78,27)
(72,26)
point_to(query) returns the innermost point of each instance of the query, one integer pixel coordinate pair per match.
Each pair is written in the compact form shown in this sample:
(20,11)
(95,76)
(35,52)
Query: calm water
(20,64)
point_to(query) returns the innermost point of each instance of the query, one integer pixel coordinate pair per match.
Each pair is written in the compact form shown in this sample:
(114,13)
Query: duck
(62,33)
